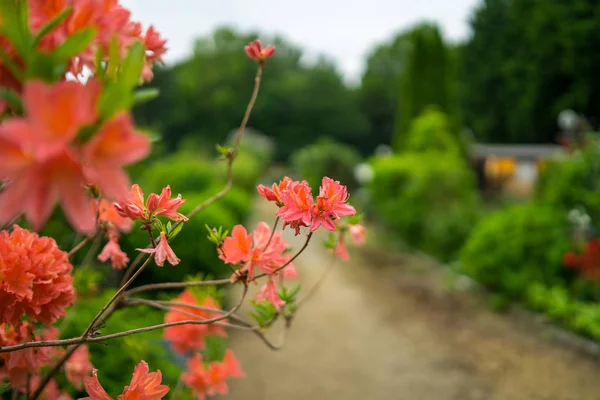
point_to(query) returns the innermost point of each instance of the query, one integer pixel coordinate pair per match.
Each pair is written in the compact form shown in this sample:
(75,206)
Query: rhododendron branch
(93,339)
(234,151)
(308,237)
(130,270)
(315,288)
(272,233)
(115,297)
(158,305)
(175,285)
(80,245)
(201,308)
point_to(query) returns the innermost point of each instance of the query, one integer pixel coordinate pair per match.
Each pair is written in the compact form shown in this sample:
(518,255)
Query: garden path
(386,326)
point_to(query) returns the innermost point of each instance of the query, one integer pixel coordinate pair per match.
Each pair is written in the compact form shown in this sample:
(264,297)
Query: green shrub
(431,130)
(247,170)
(512,248)
(327,158)
(182,171)
(428,198)
(573,181)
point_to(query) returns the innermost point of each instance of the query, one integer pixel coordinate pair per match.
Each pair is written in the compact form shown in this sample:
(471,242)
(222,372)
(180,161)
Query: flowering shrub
(69,76)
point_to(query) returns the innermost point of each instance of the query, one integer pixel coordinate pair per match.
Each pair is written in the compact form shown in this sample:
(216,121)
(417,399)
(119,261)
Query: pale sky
(345,30)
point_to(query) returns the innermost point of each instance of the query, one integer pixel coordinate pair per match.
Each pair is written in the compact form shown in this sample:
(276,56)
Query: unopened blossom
(211,380)
(269,293)
(190,337)
(331,204)
(257,250)
(78,366)
(132,206)
(145,385)
(162,252)
(16,366)
(256,51)
(35,278)
(274,192)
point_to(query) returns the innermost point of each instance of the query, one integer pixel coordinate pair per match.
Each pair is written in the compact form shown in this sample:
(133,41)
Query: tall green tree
(426,79)
(526,61)
(205,96)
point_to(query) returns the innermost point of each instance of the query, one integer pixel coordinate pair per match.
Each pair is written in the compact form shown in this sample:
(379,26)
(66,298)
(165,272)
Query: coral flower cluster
(298,208)
(18,365)
(145,385)
(190,337)
(35,278)
(211,380)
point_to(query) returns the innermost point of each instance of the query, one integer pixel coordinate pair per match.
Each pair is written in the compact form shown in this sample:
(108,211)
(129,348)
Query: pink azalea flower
(145,385)
(112,251)
(297,204)
(255,51)
(78,366)
(269,293)
(162,252)
(274,193)
(341,251)
(209,381)
(164,205)
(330,205)
(252,250)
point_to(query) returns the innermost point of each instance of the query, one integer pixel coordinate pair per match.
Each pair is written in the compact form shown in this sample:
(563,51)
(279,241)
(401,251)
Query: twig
(234,151)
(130,270)
(65,357)
(272,233)
(308,237)
(95,339)
(79,245)
(175,285)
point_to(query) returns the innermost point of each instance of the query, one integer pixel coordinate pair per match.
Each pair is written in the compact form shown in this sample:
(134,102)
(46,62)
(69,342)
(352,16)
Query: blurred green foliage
(512,248)
(573,181)
(206,96)
(327,158)
(425,81)
(525,62)
(429,200)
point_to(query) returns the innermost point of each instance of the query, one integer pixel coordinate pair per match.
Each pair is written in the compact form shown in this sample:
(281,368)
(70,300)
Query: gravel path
(386,327)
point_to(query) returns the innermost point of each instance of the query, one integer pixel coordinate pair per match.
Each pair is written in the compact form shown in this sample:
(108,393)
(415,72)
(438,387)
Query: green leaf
(114,99)
(50,26)
(14,26)
(4,387)
(12,98)
(178,227)
(74,45)
(145,95)
(131,68)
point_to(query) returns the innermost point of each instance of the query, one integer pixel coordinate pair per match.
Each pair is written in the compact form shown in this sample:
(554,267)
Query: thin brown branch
(272,233)
(90,339)
(175,285)
(80,245)
(308,237)
(115,297)
(234,151)
(65,357)
(131,269)
(200,308)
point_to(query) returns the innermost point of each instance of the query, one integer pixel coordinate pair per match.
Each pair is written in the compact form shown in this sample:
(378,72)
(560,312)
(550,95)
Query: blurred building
(511,169)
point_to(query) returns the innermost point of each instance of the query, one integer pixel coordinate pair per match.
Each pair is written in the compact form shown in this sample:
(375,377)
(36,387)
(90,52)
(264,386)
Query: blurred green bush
(431,130)
(428,198)
(326,158)
(573,181)
(512,248)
